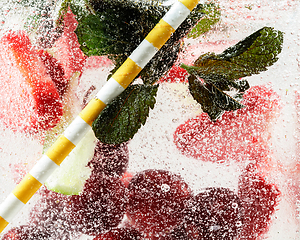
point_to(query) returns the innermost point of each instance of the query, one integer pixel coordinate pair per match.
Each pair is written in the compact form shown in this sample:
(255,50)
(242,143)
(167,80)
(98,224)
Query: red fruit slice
(55,71)
(238,135)
(259,200)
(157,199)
(95,62)
(67,49)
(29,98)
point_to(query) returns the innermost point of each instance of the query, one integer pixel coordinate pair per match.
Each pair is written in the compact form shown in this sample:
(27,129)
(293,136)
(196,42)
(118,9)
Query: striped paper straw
(119,81)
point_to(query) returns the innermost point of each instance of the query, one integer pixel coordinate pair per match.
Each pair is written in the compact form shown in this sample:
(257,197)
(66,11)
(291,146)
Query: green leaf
(212,99)
(222,72)
(212,16)
(124,116)
(117,27)
(250,56)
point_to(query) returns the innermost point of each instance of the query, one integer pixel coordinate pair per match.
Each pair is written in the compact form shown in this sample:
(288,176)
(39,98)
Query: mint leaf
(124,116)
(212,75)
(250,56)
(212,99)
(116,28)
(212,16)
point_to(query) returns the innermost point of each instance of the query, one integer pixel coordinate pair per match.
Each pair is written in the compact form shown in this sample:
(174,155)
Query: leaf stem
(190,69)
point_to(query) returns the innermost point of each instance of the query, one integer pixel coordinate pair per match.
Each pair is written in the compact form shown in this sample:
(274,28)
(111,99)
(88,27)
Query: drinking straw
(118,82)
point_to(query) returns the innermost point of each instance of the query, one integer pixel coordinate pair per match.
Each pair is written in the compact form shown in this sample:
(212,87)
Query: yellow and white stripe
(82,123)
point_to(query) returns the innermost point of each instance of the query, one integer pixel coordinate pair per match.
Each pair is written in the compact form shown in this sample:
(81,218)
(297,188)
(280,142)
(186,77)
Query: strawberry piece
(238,135)
(213,214)
(30,100)
(55,71)
(95,62)
(67,49)
(259,200)
(175,74)
(120,234)
(157,199)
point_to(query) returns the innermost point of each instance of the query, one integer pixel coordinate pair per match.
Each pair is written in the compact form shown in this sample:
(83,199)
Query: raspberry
(100,207)
(120,234)
(259,200)
(213,214)
(112,160)
(157,199)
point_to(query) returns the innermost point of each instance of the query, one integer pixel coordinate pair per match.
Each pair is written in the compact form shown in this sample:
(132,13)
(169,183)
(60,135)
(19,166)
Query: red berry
(120,234)
(237,135)
(112,160)
(100,207)
(48,215)
(29,98)
(178,233)
(175,74)
(17,233)
(214,214)
(259,200)
(26,232)
(55,71)
(157,199)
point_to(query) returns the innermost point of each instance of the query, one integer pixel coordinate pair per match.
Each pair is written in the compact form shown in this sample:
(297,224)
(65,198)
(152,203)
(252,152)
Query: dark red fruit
(120,234)
(100,207)
(178,233)
(157,199)
(18,233)
(55,70)
(48,215)
(259,200)
(238,135)
(214,214)
(112,160)
(26,232)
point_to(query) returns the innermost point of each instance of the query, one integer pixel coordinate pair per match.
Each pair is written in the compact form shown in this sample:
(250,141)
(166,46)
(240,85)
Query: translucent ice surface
(271,138)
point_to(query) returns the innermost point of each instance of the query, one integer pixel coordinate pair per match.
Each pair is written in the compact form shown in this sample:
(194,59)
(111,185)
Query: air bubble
(235,205)
(165,187)
(238,224)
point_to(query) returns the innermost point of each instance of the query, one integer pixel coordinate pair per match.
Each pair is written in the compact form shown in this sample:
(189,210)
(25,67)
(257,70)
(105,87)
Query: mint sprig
(125,115)
(214,74)
(116,28)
